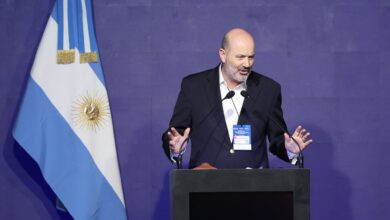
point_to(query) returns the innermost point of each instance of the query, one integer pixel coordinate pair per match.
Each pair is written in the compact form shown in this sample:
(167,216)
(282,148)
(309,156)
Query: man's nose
(246,62)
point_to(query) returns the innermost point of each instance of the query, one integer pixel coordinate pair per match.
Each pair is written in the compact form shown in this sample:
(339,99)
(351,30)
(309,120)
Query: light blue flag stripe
(71,18)
(60,21)
(97,68)
(91,31)
(47,137)
(80,33)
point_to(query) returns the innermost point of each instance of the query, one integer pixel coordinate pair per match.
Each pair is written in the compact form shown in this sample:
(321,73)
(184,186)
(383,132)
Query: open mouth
(244,72)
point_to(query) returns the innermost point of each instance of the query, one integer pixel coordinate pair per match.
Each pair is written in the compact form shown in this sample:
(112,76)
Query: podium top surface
(239,179)
(239,173)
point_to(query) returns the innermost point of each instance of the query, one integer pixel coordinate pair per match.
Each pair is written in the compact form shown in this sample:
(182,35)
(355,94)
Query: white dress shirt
(231,107)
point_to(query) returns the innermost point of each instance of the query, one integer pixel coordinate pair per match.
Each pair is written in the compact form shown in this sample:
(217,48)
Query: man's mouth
(244,72)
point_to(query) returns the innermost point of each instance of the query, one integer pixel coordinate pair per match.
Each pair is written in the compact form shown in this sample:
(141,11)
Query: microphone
(245,94)
(229,95)
(179,158)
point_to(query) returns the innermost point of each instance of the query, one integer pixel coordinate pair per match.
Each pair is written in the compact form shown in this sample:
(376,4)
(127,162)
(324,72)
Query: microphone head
(244,93)
(229,95)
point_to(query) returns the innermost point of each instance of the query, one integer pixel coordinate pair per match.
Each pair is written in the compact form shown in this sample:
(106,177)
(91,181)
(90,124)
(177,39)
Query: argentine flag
(64,121)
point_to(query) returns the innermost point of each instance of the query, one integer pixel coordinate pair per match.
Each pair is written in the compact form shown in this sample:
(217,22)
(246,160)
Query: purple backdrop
(331,57)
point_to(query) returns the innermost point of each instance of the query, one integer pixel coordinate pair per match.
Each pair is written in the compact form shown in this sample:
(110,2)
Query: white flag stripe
(66,26)
(100,143)
(87,44)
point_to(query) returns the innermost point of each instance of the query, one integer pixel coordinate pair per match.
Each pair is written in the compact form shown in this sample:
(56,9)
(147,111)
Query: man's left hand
(301,136)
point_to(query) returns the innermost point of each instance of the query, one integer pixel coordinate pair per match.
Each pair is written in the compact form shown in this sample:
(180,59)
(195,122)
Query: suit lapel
(253,88)
(213,92)
(214,97)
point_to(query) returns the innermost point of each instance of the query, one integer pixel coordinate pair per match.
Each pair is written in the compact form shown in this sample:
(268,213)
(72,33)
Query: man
(214,124)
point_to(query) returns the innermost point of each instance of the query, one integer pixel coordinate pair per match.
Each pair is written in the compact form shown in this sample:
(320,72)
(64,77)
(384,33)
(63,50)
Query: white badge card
(242,137)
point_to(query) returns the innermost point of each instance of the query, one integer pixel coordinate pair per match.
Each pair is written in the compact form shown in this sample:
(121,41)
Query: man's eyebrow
(243,55)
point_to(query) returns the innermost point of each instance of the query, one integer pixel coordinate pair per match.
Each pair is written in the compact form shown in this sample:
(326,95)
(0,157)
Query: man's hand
(301,136)
(178,142)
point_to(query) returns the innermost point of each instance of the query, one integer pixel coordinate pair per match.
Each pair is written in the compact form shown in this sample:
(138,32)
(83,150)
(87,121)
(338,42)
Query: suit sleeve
(181,118)
(275,133)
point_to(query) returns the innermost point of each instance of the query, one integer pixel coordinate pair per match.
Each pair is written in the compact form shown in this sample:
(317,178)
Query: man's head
(237,54)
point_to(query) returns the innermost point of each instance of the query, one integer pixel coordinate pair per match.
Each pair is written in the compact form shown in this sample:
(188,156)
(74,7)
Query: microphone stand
(179,158)
(179,162)
(300,154)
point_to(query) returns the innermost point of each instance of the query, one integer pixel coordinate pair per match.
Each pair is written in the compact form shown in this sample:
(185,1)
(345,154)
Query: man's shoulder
(265,80)
(199,76)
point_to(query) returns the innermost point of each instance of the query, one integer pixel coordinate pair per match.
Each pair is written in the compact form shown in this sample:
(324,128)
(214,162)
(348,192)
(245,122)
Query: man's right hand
(178,142)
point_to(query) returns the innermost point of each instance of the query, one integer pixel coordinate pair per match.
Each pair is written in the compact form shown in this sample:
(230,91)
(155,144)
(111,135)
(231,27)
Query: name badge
(242,137)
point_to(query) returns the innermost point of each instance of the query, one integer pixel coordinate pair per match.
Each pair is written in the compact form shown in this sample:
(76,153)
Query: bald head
(236,36)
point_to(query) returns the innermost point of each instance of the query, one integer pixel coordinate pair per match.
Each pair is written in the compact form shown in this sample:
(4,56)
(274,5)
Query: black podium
(269,194)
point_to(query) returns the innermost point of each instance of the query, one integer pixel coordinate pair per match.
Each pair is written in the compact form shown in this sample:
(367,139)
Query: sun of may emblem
(91,111)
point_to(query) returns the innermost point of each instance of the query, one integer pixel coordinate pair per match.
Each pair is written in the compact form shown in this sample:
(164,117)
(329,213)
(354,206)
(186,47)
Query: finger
(297,131)
(175,132)
(307,143)
(186,132)
(170,136)
(287,137)
(302,132)
(306,135)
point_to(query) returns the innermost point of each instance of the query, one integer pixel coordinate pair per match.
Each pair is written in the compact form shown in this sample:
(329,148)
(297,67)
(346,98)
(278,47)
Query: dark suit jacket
(199,107)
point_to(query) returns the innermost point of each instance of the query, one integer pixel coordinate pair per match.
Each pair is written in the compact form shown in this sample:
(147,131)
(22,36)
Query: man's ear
(222,55)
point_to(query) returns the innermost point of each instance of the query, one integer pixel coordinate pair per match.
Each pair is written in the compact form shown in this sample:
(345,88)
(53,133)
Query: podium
(274,194)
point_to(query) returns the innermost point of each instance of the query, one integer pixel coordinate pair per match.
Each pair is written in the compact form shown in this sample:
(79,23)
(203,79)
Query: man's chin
(241,79)
(244,77)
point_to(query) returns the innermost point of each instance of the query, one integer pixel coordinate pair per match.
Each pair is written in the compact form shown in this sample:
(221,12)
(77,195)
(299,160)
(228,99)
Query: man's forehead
(242,44)
(243,50)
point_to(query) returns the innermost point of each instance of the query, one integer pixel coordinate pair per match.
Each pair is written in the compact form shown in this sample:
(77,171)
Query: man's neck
(230,83)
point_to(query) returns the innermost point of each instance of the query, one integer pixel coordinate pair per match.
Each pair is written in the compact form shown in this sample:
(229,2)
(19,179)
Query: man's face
(237,61)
